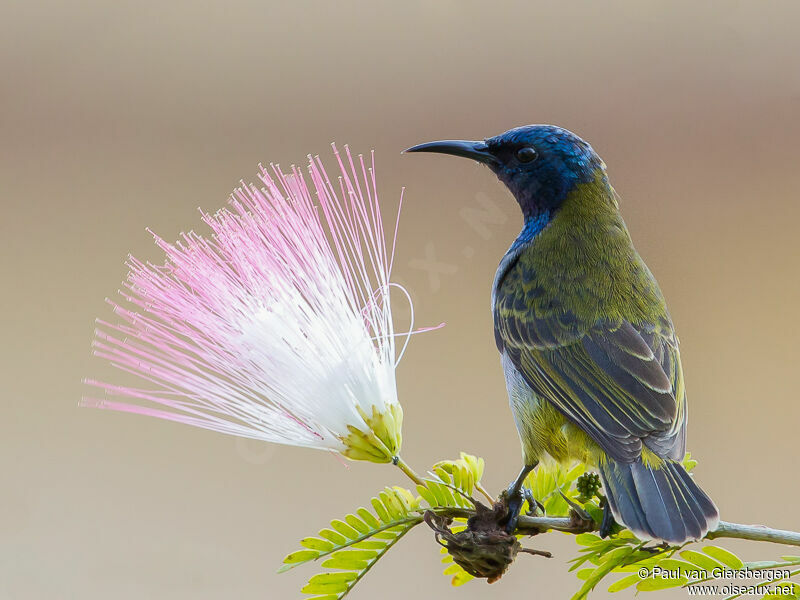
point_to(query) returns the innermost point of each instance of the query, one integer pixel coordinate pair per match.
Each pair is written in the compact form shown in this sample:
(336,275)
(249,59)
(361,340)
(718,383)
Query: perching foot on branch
(484,549)
(535,507)
(515,497)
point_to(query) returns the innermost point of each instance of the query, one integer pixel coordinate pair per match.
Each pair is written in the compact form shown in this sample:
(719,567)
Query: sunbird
(588,348)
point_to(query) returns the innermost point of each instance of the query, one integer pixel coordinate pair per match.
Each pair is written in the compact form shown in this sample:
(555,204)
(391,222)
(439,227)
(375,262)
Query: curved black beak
(478,151)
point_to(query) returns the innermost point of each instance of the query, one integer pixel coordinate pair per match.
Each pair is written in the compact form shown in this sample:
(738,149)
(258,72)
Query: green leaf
(461,578)
(380,510)
(556,505)
(344,529)
(585,539)
(451,569)
(460,479)
(548,481)
(388,534)
(362,533)
(617,555)
(648,562)
(406,498)
(688,462)
(392,504)
(316,544)
(701,560)
(352,546)
(575,472)
(627,534)
(333,536)
(332,589)
(624,583)
(449,499)
(369,545)
(452,484)
(347,564)
(789,587)
(355,554)
(368,518)
(357,564)
(727,558)
(653,584)
(332,578)
(474,464)
(427,495)
(437,490)
(300,556)
(674,565)
(616,558)
(595,512)
(459,475)
(442,475)
(357,524)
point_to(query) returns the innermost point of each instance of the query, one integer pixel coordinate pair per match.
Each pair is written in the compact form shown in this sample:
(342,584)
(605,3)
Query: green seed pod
(588,485)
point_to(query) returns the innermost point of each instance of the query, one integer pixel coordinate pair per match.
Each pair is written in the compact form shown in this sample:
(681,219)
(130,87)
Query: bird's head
(540,164)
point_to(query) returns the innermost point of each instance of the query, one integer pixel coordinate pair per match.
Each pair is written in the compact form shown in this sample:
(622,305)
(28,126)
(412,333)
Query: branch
(756,533)
(529,525)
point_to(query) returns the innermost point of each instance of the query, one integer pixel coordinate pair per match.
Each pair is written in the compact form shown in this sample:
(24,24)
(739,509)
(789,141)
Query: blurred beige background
(115,116)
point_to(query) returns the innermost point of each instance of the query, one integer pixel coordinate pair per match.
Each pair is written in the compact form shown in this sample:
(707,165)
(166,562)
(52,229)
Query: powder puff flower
(277,327)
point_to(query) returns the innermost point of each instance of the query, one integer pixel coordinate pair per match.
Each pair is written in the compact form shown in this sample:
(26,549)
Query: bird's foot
(657,548)
(515,499)
(534,506)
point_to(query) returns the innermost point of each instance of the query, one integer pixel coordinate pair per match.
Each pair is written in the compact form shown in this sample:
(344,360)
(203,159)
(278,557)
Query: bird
(588,348)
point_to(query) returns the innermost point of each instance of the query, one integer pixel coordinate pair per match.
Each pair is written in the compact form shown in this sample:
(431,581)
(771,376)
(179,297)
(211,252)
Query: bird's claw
(656,549)
(515,498)
(534,506)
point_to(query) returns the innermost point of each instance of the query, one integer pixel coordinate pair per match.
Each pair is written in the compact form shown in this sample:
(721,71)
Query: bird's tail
(663,503)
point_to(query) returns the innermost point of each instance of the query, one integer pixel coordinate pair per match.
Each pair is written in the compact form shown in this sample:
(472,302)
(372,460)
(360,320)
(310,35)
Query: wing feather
(617,380)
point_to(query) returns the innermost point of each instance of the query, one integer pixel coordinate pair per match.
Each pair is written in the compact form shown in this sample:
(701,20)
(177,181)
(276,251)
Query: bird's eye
(527,154)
